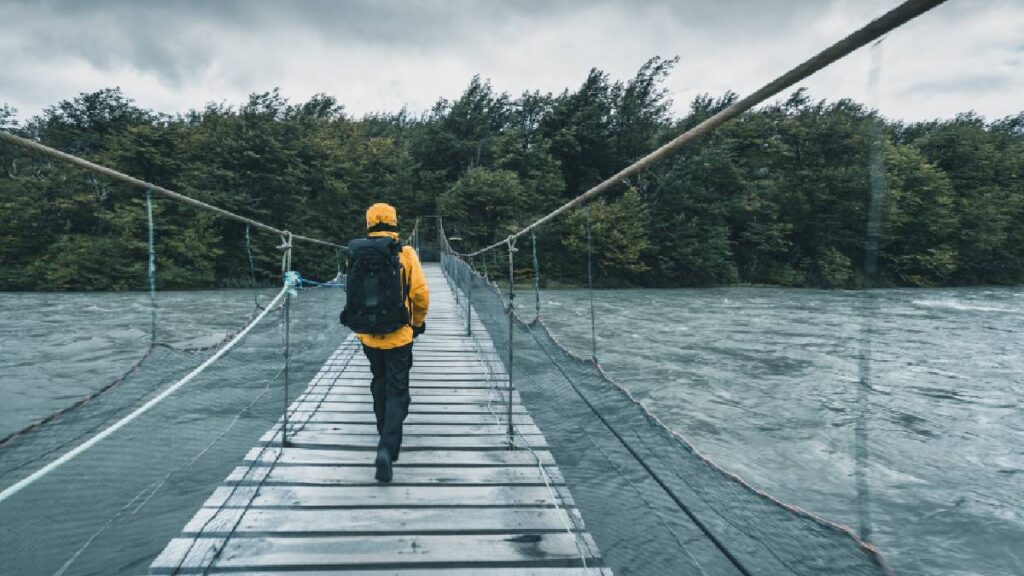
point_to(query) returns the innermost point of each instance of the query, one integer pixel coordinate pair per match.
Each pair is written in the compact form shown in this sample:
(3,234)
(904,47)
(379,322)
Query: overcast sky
(374,55)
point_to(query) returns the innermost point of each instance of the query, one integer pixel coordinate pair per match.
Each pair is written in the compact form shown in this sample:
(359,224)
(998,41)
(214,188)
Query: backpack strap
(398,247)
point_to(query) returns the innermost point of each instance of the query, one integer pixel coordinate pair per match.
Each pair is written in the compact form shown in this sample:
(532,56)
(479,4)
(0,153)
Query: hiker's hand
(417,330)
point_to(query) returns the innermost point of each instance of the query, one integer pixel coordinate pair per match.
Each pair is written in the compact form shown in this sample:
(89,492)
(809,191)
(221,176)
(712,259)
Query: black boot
(383,463)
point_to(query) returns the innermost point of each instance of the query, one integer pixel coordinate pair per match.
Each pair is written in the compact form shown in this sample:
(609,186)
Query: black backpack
(375,287)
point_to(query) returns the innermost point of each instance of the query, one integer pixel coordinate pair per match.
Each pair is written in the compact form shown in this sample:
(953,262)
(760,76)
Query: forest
(780,196)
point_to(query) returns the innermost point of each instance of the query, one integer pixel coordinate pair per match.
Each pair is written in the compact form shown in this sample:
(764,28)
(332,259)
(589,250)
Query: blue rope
(152,266)
(295,279)
(306,282)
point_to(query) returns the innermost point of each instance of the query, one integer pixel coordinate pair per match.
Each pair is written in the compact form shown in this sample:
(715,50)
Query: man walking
(386,306)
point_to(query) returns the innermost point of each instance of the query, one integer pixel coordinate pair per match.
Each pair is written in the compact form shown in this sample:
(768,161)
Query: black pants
(390,389)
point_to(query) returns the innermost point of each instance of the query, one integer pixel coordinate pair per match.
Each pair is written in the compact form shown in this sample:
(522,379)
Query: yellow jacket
(417,299)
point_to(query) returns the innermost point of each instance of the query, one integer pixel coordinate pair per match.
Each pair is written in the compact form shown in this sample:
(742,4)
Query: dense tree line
(779,196)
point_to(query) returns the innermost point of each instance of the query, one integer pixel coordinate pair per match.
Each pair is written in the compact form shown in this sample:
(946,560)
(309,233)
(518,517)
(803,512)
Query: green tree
(484,205)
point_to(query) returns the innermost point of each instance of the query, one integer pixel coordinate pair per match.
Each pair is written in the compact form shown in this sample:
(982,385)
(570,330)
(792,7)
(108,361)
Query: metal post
(453,281)
(151,273)
(286,265)
(590,285)
(469,298)
(536,274)
(287,364)
(511,320)
(252,268)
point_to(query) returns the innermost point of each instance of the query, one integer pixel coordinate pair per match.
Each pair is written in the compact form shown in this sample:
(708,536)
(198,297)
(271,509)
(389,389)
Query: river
(767,381)
(770,382)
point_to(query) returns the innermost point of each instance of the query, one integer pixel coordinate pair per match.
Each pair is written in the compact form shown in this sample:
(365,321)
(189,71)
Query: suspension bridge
(520,458)
(462,501)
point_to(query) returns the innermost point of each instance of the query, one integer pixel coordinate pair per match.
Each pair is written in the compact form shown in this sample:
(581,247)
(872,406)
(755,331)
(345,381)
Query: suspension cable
(83,163)
(873,30)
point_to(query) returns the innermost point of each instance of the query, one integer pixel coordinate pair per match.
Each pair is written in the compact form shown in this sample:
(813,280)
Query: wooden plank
(362,385)
(393,521)
(353,475)
(421,399)
(493,571)
(417,407)
(314,439)
(414,388)
(500,381)
(411,429)
(420,375)
(361,394)
(443,370)
(380,496)
(413,418)
(314,456)
(423,361)
(375,552)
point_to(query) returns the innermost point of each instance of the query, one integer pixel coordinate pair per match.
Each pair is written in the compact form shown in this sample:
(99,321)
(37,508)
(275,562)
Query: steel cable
(872,31)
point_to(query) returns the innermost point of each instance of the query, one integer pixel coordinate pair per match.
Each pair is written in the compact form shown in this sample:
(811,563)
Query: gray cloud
(965,84)
(376,55)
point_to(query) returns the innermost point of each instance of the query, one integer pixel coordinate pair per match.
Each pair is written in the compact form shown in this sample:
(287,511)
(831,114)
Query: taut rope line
(17,487)
(83,163)
(873,30)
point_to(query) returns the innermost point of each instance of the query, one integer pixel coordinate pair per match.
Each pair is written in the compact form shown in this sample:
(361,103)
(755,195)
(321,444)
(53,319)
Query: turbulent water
(114,507)
(774,384)
(58,347)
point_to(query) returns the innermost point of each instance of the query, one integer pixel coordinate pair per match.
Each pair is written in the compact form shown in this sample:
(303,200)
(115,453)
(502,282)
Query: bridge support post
(511,339)
(469,294)
(289,281)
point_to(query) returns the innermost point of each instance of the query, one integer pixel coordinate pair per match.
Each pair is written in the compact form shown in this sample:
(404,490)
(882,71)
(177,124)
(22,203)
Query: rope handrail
(871,31)
(32,478)
(83,163)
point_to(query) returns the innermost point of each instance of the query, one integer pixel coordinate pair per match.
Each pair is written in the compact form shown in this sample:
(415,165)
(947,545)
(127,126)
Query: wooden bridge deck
(461,503)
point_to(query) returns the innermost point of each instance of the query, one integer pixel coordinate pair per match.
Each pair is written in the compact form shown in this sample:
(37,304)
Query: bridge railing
(649,497)
(127,408)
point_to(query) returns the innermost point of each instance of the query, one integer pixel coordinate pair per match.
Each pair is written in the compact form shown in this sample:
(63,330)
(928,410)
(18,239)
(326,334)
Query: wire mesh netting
(114,507)
(653,503)
(124,410)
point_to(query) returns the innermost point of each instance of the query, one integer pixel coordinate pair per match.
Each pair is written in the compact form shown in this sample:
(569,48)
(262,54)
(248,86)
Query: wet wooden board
(315,439)
(352,475)
(461,502)
(417,391)
(479,398)
(269,455)
(424,408)
(388,521)
(590,571)
(413,429)
(376,496)
(364,384)
(376,552)
(413,419)
(440,572)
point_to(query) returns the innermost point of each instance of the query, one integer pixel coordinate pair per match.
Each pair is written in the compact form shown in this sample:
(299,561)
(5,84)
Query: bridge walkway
(461,502)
